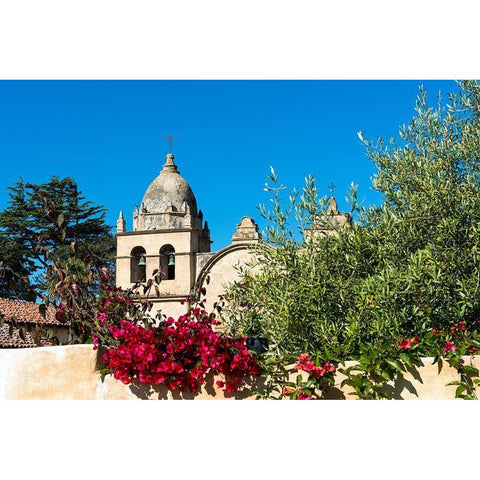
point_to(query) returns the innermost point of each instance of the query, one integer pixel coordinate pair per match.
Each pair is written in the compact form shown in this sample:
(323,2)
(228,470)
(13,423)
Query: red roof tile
(26,314)
(15,341)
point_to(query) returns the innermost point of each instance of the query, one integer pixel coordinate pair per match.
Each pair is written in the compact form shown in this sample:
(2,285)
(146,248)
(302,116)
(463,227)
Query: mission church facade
(170,234)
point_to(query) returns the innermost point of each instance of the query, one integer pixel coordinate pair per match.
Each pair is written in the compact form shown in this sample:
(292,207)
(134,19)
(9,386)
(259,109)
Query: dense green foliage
(53,216)
(401,269)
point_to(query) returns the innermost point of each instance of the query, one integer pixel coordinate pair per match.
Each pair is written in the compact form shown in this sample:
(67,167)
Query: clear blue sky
(108,136)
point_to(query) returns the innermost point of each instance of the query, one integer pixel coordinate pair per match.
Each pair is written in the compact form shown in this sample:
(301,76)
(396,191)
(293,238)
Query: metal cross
(170,138)
(332,187)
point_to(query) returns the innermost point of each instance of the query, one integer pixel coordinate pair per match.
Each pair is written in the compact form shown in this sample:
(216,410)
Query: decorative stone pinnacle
(247,231)
(332,207)
(121,224)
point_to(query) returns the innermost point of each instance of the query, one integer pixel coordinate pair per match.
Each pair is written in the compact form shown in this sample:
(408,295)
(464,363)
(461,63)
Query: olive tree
(402,268)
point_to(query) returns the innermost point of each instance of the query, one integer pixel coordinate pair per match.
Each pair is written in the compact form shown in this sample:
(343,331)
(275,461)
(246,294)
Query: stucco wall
(223,271)
(70,372)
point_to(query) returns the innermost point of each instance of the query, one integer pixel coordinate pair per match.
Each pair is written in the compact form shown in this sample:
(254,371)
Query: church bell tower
(168,233)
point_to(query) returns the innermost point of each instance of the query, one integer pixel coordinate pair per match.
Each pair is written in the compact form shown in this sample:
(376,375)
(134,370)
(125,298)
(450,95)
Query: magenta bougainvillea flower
(179,354)
(449,347)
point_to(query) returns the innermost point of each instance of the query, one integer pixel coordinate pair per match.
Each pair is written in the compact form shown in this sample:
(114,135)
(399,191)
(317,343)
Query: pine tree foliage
(53,215)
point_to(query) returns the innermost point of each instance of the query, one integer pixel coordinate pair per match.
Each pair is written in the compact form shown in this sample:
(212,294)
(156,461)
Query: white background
(46,39)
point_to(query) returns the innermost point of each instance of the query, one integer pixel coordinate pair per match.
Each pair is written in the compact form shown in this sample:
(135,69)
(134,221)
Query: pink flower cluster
(303,395)
(179,354)
(112,306)
(449,347)
(303,363)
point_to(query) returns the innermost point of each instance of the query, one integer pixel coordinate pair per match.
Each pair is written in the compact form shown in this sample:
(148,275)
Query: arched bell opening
(167,262)
(138,265)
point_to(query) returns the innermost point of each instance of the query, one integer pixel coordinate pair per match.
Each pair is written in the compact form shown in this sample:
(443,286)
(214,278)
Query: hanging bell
(142,262)
(171,260)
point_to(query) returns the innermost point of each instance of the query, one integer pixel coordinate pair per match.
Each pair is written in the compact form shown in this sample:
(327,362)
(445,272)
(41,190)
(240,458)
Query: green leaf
(460,389)
(385,375)
(406,359)
(394,364)
(456,382)
(103,373)
(470,370)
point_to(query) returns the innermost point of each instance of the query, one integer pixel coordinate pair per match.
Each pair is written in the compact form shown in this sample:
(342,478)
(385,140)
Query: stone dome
(169,191)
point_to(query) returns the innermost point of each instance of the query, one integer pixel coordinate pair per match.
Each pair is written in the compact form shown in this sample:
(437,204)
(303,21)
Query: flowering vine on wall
(175,353)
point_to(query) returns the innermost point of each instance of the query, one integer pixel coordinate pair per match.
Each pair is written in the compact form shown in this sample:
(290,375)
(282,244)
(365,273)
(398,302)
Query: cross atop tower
(170,139)
(332,187)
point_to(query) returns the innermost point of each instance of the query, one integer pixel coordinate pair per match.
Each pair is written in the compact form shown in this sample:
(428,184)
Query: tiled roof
(15,341)
(27,314)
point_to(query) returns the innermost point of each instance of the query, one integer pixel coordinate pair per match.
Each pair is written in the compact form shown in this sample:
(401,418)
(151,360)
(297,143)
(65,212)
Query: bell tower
(168,232)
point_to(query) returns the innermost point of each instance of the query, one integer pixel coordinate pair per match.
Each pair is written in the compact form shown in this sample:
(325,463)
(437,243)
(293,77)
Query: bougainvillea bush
(179,354)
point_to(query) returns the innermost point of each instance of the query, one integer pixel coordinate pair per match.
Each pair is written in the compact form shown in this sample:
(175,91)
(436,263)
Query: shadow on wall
(208,391)
(423,380)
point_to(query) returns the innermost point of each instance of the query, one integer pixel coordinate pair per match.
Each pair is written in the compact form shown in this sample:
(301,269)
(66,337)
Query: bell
(171,260)
(142,262)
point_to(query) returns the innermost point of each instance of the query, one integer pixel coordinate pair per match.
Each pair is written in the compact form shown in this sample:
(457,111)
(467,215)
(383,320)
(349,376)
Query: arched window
(167,262)
(138,265)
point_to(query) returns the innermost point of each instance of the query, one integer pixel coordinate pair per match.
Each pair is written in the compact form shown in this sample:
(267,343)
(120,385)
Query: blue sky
(108,136)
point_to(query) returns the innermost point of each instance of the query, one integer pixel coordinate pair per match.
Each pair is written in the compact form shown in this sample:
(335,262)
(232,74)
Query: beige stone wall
(70,373)
(171,307)
(222,271)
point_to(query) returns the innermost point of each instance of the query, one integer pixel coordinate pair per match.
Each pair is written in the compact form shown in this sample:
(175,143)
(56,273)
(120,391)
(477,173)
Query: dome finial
(170,165)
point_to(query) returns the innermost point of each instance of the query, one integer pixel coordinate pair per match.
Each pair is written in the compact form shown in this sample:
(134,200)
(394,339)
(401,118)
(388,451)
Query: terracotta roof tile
(27,313)
(15,341)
